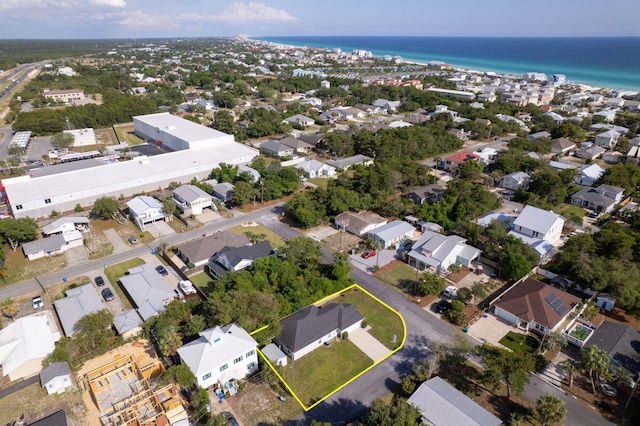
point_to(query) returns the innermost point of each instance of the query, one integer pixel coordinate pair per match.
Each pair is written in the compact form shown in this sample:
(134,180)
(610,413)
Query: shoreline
(407,59)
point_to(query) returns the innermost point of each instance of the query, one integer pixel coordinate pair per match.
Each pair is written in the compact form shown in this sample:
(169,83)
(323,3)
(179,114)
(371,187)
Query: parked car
(107,294)
(441,307)
(37,303)
(99,281)
(450,292)
(368,254)
(593,215)
(133,240)
(187,287)
(162,270)
(230,419)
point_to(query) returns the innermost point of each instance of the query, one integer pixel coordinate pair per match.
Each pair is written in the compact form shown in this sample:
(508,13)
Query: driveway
(207,216)
(490,329)
(76,255)
(159,229)
(368,344)
(118,244)
(382,258)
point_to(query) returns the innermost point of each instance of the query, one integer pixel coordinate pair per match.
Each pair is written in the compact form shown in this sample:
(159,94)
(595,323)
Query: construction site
(119,389)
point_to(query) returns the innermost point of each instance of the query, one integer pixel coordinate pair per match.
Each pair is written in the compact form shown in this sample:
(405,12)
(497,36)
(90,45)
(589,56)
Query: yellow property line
(404,338)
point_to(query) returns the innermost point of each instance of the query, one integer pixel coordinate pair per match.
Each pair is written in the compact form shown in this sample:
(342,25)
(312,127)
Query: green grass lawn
(321,182)
(115,272)
(384,323)
(126,134)
(565,209)
(518,342)
(201,280)
(401,276)
(324,370)
(274,239)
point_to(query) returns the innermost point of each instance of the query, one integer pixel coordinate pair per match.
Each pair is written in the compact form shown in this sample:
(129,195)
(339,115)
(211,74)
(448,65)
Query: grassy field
(106,136)
(126,134)
(565,209)
(384,323)
(518,342)
(400,276)
(201,280)
(18,268)
(324,370)
(274,239)
(115,272)
(321,182)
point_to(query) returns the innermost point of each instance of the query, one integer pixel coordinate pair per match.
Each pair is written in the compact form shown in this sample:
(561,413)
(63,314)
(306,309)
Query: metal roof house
(80,301)
(51,246)
(56,377)
(393,233)
(443,405)
(148,290)
(144,209)
(438,252)
(191,200)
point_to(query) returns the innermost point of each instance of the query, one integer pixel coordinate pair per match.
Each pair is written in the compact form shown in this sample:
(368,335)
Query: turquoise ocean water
(612,62)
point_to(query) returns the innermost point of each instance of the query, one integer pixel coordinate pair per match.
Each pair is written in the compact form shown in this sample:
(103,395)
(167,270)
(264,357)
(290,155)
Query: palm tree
(553,341)
(550,410)
(169,342)
(8,308)
(594,361)
(571,367)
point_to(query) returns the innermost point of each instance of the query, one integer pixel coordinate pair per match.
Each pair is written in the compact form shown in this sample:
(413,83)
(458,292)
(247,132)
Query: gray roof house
(426,194)
(198,251)
(57,244)
(607,139)
(191,200)
(232,259)
(538,135)
(562,145)
(345,163)
(514,181)
(65,225)
(359,223)
(311,327)
(272,147)
(148,290)
(297,144)
(438,252)
(440,404)
(128,323)
(300,119)
(621,342)
(79,302)
(600,199)
(393,233)
(223,191)
(315,168)
(144,209)
(252,172)
(56,378)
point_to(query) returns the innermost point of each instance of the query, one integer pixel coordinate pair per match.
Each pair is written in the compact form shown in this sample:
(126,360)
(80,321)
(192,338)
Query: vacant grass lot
(384,323)
(518,342)
(324,370)
(126,134)
(106,136)
(115,272)
(18,268)
(400,276)
(568,209)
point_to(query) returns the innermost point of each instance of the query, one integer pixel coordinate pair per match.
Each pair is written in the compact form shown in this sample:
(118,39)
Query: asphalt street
(350,402)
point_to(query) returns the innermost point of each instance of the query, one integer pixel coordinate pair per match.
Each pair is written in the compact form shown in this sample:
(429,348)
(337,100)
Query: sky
(81,19)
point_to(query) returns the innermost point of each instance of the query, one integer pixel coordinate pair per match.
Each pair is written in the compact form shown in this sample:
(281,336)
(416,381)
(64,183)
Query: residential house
(66,225)
(487,155)
(426,194)
(298,145)
(51,246)
(608,114)
(605,301)
(313,326)
(56,378)
(59,418)
(539,135)
(590,151)
(460,134)
(515,181)
(313,139)
(276,148)
(388,106)
(453,162)
(25,343)
(621,342)
(80,301)
(345,163)
(148,290)
(588,175)
(144,209)
(197,252)
(601,199)
(538,228)
(253,172)
(441,404)
(392,234)
(275,355)
(613,157)
(223,191)
(562,146)
(233,259)
(535,306)
(438,252)
(220,355)
(368,109)
(315,168)
(300,119)
(607,139)
(192,200)
(128,324)
(487,219)
(359,224)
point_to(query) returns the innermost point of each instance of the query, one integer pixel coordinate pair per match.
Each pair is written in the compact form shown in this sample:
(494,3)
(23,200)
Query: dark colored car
(230,419)
(593,215)
(441,307)
(107,294)
(99,281)
(162,270)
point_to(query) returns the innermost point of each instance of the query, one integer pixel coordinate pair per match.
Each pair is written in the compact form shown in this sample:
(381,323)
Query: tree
(571,367)
(169,341)
(93,330)
(595,362)
(303,251)
(16,231)
(396,412)
(195,325)
(169,207)
(550,410)
(105,207)
(180,374)
(464,295)
(9,308)
(63,140)
(471,170)
(510,367)
(243,193)
(553,341)
(431,284)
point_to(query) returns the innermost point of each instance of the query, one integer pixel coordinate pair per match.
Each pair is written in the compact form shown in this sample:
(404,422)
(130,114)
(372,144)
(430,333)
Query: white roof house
(220,354)
(588,175)
(396,232)
(65,225)
(79,302)
(443,405)
(148,290)
(314,168)
(515,181)
(25,343)
(438,252)
(538,228)
(66,185)
(144,209)
(300,119)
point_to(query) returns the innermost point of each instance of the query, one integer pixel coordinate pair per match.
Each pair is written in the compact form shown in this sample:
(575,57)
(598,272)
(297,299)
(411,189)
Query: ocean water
(612,62)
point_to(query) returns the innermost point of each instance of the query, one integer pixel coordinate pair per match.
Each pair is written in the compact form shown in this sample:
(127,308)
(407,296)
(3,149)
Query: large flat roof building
(199,149)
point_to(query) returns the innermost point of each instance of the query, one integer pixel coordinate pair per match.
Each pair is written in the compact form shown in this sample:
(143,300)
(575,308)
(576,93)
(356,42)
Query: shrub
(456,317)
(345,335)
(54,213)
(78,208)
(464,295)
(363,324)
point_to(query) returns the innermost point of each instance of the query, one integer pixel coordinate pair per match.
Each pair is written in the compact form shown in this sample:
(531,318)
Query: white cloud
(240,13)
(113,3)
(40,5)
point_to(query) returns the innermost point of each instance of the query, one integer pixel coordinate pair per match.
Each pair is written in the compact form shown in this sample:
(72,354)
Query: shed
(275,355)
(605,301)
(56,378)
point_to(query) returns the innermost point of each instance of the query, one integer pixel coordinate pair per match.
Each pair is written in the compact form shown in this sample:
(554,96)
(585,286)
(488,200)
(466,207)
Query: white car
(37,302)
(450,291)
(187,287)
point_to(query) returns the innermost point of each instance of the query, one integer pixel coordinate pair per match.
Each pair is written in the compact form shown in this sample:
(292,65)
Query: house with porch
(515,181)
(453,162)
(233,259)
(588,175)
(392,234)
(197,252)
(601,199)
(144,209)
(426,194)
(315,168)
(538,228)
(276,148)
(607,139)
(535,306)
(220,356)
(359,224)
(66,225)
(437,252)
(192,200)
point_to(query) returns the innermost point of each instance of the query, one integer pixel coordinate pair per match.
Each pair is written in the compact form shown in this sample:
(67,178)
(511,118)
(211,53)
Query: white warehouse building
(198,150)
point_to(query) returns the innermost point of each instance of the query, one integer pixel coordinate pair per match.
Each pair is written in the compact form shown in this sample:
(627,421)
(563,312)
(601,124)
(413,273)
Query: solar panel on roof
(562,310)
(551,298)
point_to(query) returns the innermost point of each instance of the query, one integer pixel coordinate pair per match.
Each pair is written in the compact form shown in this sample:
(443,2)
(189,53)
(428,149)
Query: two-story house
(191,200)
(144,209)
(538,228)
(600,199)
